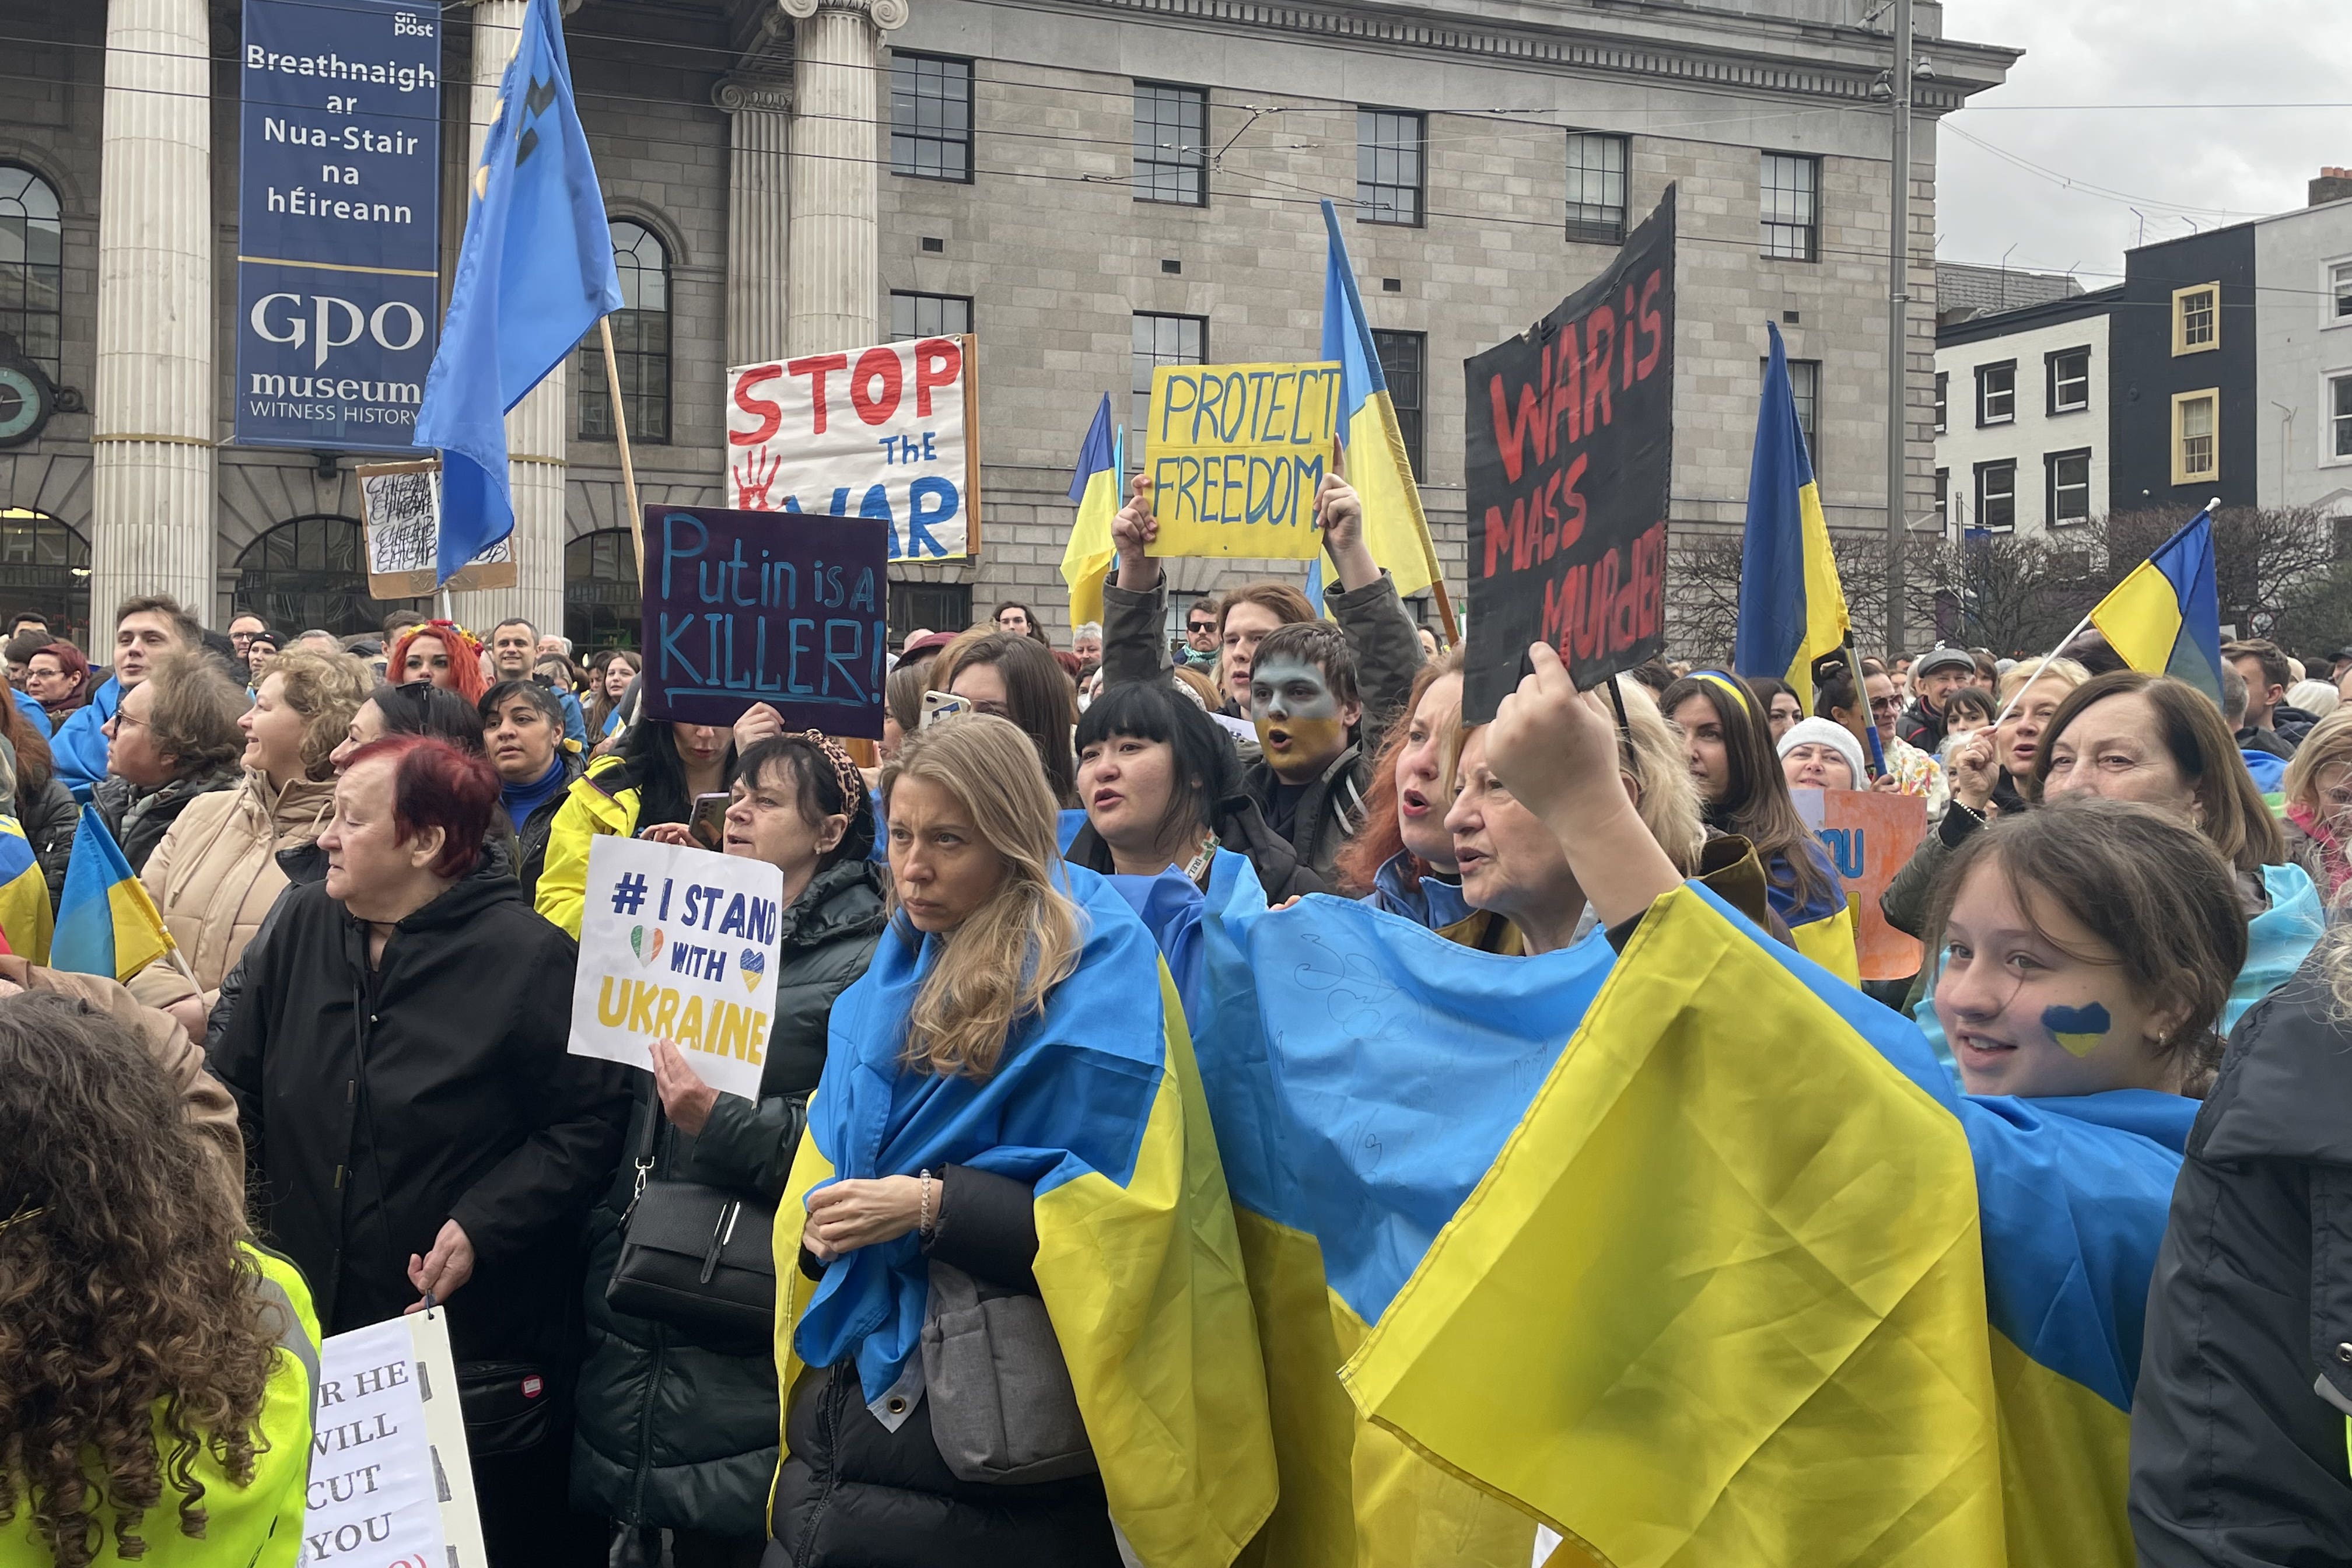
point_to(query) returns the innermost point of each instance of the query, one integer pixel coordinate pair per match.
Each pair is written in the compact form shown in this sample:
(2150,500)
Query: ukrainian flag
(106,923)
(1095,487)
(23,896)
(1097,1105)
(1395,529)
(1791,605)
(2164,619)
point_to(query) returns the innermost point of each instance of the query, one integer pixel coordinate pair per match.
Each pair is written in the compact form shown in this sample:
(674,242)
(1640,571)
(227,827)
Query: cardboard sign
(885,433)
(1570,456)
(1870,837)
(778,607)
(679,944)
(390,1479)
(401,503)
(1237,452)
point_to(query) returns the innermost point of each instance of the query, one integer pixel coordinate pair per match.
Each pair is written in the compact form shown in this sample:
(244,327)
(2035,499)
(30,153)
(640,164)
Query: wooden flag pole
(621,430)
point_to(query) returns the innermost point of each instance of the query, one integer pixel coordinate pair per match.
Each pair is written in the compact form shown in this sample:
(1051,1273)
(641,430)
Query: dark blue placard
(786,608)
(337,222)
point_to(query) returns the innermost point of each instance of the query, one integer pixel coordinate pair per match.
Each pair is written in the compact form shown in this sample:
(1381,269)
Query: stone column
(833,275)
(536,427)
(152,497)
(759,126)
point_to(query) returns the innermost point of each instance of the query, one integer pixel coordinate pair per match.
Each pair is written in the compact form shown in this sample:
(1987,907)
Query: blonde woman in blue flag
(1007,1227)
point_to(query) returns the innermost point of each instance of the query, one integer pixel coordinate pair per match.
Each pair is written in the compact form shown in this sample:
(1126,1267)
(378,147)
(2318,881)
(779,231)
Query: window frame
(1943,401)
(1985,421)
(1368,118)
(2051,486)
(17,313)
(1943,507)
(2336,292)
(1810,229)
(919,297)
(2052,381)
(1198,166)
(2182,473)
(1139,419)
(1414,431)
(632,354)
(916,133)
(2180,297)
(1587,230)
(1992,466)
(1809,406)
(2336,419)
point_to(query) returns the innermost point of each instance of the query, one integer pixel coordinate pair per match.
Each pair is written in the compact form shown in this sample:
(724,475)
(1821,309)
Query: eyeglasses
(1886,704)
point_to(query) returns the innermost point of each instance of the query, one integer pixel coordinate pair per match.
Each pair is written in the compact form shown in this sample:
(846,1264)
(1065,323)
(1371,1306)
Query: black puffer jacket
(674,1430)
(49,819)
(531,832)
(138,818)
(378,1104)
(2245,1374)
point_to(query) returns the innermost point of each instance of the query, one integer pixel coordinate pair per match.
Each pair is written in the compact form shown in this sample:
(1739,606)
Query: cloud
(2178,166)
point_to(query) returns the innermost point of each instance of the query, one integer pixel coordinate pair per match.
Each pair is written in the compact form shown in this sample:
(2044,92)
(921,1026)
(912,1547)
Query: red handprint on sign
(752,477)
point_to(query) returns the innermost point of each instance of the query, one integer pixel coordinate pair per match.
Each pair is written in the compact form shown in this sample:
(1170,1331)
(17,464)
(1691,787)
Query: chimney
(2332,185)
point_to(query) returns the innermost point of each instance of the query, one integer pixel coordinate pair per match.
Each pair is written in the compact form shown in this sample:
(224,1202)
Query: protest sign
(786,608)
(389,1481)
(886,433)
(676,943)
(400,504)
(1870,837)
(1237,452)
(1569,454)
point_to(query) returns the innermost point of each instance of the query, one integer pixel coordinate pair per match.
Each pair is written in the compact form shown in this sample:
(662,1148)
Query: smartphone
(939,705)
(707,826)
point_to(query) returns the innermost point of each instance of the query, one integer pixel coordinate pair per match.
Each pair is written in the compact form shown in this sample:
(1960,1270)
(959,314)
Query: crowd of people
(352,1093)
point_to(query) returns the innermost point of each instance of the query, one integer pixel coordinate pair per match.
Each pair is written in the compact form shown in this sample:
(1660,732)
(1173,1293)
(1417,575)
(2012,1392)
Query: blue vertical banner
(337,222)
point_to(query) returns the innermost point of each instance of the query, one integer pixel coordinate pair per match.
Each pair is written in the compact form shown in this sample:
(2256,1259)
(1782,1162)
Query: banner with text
(1237,452)
(400,509)
(389,1481)
(786,608)
(679,944)
(1870,837)
(337,222)
(885,433)
(1570,456)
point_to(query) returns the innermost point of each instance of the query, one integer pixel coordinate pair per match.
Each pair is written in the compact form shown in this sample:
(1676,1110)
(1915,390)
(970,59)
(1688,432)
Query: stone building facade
(750,168)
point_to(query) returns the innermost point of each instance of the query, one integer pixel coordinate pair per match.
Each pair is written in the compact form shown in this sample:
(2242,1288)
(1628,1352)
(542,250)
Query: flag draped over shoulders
(1098,1105)
(24,918)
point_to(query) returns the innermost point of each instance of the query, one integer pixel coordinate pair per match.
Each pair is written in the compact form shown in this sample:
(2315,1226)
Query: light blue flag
(536,271)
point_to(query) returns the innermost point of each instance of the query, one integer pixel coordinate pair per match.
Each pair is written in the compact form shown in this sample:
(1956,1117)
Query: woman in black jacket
(677,1429)
(414,1123)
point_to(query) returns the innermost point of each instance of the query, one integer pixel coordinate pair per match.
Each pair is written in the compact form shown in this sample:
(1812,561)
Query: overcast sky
(2176,165)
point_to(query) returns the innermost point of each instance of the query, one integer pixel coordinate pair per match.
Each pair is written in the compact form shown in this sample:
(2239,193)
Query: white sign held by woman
(679,944)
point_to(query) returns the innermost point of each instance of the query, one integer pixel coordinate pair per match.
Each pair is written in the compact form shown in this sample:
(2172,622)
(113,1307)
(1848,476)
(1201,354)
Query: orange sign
(1869,838)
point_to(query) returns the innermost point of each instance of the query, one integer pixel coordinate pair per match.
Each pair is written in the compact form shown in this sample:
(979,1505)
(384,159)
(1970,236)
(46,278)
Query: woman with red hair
(57,678)
(442,652)
(412,1117)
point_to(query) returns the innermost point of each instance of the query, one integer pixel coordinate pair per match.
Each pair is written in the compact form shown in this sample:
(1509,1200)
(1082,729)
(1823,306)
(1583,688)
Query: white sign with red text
(883,432)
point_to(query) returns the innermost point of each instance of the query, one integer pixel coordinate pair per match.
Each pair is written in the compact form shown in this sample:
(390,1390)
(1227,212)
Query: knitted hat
(1823,732)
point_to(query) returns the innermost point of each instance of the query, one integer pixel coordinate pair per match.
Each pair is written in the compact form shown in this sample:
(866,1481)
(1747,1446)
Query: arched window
(32,266)
(640,344)
(602,607)
(45,566)
(310,572)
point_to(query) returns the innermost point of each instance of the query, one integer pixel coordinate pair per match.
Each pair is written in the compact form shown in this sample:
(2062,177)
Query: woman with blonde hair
(972,1149)
(2318,794)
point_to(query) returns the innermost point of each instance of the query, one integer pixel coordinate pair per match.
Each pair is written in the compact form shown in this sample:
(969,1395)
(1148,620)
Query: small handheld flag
(1095,487)
(2165,617)
(106,923)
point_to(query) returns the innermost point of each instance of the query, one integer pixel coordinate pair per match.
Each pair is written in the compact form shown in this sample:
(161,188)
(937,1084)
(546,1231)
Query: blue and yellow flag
(23,895)
(1097,1105)
(1396,531)
(1791,605)
(106,923)
(2164,619)
(1095,487)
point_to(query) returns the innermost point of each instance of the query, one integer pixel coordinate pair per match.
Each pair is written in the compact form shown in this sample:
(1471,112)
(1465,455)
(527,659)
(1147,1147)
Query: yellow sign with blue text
(1236,453)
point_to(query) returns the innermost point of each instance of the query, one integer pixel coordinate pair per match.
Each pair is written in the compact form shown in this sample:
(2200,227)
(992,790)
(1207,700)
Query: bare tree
(1703,575)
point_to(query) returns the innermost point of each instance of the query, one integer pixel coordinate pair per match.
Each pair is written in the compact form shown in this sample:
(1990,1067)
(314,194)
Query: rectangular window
(1389,146)
(1943,399)
(933,606)
(2068,484)
(2339,416)
(1596,188)
(2068,373)
(1943,498)
(928,316)
(1996,394)
(1158,340)
(2339,293)
(2197,319)
(1404,364)
(1792,201)
(1171,151)
(2196,435)
(2340,534)
(1805,387)
(1997,496)
(930,118)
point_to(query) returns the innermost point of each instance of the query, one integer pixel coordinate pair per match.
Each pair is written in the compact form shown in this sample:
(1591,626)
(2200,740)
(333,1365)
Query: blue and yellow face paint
(2080,1030)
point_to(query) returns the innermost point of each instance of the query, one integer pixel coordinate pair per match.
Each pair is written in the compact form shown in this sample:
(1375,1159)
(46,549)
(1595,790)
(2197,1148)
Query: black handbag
(695,1257)
(507,1406)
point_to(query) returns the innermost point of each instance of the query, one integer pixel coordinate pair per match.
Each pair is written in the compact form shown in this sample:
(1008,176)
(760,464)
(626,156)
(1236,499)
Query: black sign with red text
(1570,443)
